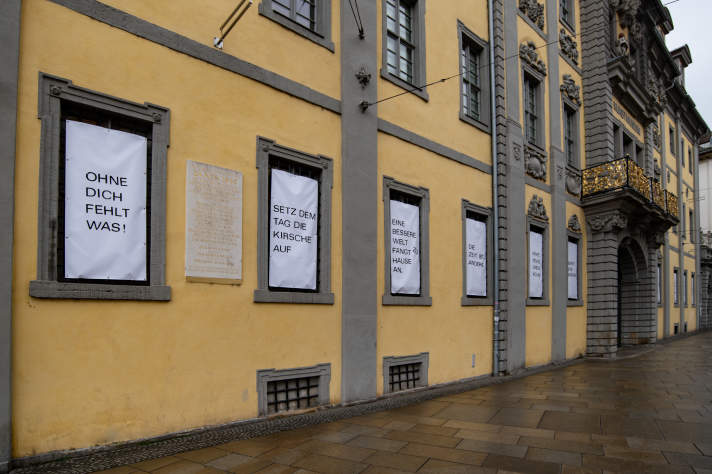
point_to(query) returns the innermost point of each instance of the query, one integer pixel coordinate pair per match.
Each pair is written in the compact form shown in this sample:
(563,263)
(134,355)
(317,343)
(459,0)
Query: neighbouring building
(328,202)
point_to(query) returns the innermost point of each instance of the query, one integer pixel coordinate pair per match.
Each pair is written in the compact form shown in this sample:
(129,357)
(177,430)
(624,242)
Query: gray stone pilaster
(602,307)
(557,179)
(667,294)
(681,243)
(9,59)
(696,235)
(359,168)
(597,94)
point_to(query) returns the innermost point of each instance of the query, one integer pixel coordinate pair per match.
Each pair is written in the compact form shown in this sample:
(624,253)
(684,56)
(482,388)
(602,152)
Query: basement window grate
(404,376)
(292,394)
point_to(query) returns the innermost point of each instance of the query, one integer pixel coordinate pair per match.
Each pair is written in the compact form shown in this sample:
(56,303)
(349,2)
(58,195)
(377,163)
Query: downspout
(495,202)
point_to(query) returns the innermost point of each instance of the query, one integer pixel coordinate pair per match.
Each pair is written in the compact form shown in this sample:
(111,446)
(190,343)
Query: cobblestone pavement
(647,414)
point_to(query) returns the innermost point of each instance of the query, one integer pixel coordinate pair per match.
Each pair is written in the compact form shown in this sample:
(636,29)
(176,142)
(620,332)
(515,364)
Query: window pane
(392,55)
(391,16)
(281,7)
(406,63)
(406,22)
(306,13)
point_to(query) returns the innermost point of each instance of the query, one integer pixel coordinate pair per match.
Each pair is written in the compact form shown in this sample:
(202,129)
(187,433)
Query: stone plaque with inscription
(213,224)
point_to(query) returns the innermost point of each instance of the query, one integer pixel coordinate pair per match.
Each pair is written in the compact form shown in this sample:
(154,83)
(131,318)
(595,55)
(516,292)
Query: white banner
(476,233)
(405,248)
(536,274)
(104,203)
(294,206)
(573,270)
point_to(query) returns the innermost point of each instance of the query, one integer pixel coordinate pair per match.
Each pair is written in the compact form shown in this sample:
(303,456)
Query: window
(292,389)
(628,146)
(474,79)
(684,287)
(682,152)
(537,263)
(566,10)
(689,159)
(682,224)
(617,148)
(404,44)
(294,226)
(574,251)
(532,114)
(659,285)
(309,18)
(692,296)
(672,141)
(476,255)
(571,136)
(693,231)
(405,372)
(407,260)
(102,188)
(676,287)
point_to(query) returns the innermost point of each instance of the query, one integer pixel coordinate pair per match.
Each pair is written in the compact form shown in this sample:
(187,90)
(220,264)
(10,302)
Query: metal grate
(292,394)
(404,376)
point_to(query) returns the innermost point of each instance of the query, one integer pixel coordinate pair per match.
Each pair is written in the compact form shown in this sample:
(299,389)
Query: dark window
(691,215)
(689,159)
(566,11)
(682,152)
(570,136)
(404,376)
(531,109)
(659,285)
(672,141)
(401,39)
(676,287)
(292,394)
(470,69)
(308,18)
(628,146)
(684,294)
(692,296)
(617,151)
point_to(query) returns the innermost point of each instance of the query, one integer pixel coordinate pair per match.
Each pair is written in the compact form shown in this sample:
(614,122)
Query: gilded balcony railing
(672,204)
(658,194)
(624,173)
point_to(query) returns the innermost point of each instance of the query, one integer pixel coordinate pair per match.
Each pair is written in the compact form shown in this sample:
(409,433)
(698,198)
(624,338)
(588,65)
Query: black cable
(358,24)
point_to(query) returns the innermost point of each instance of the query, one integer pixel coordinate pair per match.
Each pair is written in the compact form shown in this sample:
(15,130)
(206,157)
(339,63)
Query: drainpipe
(495,201)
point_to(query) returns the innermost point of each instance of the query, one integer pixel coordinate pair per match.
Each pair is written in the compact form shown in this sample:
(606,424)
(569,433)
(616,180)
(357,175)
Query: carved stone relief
(573,181)
(607,222)
(570,89)
(537,209)
(534,11)
(527,51)
(657,137)
(656,89)
(535,163)
(574,224)
(568,46)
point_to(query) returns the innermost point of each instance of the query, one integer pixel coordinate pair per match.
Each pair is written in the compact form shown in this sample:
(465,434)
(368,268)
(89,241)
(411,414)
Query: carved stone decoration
(608,222)
(534,11)
(656,90)
(622,48)
(560,172)
(656,240)
(55,90)
(568,46)
(517,150)
(363,76)
(657,137)
(570,89)
(573,182)
(574,224)
(627,10)
(535,163)
(537,209)
(527,51)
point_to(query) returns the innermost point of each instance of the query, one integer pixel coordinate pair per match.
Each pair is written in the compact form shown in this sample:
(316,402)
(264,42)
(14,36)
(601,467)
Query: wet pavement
(646,414)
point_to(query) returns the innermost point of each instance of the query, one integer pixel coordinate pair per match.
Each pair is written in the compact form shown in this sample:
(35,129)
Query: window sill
(391,300)
(422,93)
(538,301)
(297,28)
(476,301)
(268,296)
(89,291)
(475,123)
(574,303)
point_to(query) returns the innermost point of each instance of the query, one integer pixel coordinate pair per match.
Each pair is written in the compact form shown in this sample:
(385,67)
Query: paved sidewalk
(647,414)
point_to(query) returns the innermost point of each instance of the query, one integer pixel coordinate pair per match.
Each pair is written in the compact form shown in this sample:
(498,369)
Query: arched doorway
(633,307)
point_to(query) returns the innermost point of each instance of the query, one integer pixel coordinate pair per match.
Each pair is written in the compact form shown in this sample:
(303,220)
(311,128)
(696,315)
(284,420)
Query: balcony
(625,175)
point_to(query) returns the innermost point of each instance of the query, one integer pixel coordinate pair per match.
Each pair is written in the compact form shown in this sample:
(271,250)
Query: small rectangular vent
(292,394)
(404,376)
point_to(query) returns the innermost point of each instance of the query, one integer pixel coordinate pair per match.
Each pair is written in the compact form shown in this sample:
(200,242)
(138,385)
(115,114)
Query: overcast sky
(693,26)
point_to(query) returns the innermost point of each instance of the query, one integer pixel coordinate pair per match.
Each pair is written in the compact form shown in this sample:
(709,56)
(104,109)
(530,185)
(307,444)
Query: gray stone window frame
(676,287)
(263,294)
(693,301)
(671,140)
(569,23)
(321,35)
(659,284)
(685,299)
(389,361)
(465,35)
(543,227)
(419,71)
(424,299)
(53,92)
(578,238)
(264,376)
(529,74)
(565,102)
(484,214)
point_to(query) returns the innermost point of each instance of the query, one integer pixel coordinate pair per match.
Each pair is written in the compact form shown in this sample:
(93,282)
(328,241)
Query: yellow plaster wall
(538,318)
(439,118)
(661,321)
(451,333)
(256,38)
(576,315)
(92,372)
(670,159)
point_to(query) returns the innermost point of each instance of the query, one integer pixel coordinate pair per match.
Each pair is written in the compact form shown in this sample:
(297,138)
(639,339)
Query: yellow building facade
(339,205)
